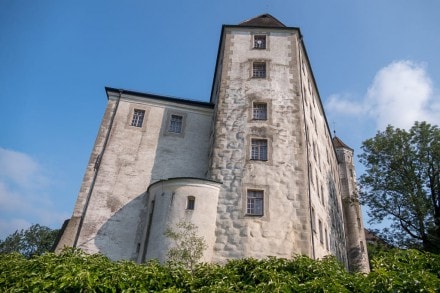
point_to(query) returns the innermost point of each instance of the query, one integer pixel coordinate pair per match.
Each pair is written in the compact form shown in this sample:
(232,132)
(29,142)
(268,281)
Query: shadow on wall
(336,230)
(115,239)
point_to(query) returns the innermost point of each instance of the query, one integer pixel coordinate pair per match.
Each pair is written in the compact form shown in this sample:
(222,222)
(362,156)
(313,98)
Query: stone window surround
(190,203)
(131,113)
(259,33)
(168,114)
(266,191)
(248,147)
(250,105)
(251,69)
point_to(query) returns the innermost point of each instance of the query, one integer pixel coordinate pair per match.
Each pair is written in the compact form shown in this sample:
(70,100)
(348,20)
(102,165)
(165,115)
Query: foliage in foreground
(35,240)
(74,271)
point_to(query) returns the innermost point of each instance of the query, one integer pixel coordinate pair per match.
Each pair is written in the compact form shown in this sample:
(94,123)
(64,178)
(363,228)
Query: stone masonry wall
(285,228)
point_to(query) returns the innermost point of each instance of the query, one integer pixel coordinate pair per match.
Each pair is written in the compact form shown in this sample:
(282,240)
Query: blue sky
(375,62)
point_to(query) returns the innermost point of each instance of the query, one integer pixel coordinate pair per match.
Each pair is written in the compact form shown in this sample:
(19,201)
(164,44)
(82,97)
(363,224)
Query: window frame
(190,203)
(136,119)
(175,126)
(261,72)
(263,45)
(169,125)
(256,111)
(261,151)
(255,205)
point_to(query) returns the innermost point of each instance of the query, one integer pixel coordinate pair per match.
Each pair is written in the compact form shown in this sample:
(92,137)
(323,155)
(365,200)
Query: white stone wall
(170,207)
(284,228)
(134,158)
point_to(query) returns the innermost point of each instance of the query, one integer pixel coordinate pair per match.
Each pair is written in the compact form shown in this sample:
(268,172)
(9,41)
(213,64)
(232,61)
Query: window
(255,202)
(175,124)
(138,118)
(259,111)
(321,238)
(190,202)
(322,196)
(259,149)
(313,220)
(260,41)
(326,239)
(259,69)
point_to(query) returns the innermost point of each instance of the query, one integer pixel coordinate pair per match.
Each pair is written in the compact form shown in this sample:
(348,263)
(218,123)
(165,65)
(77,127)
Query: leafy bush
(75,271)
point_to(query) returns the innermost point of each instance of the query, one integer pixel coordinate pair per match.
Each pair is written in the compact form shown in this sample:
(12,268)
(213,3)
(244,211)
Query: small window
(259,149)
(259,111)
(260,41)
(175,124)
(259,69)
(321,238)
(326,239)
(313,220)
(190,203)
(138,118)
(255,202)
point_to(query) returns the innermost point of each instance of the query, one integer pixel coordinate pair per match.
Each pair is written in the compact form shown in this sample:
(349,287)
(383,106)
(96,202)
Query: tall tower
(356,243)
(272,149)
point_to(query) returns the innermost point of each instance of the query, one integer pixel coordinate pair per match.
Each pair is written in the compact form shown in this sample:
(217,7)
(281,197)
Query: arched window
(190,202)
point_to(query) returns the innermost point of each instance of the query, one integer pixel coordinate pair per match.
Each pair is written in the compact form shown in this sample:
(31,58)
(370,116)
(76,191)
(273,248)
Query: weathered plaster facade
(255,169)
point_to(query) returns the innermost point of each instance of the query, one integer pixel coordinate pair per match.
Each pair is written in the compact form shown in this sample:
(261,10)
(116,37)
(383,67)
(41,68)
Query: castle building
(255,169)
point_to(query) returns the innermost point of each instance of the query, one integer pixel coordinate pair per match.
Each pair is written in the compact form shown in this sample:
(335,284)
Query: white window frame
(176,123)
(259,149)
(255,202)
(138,117)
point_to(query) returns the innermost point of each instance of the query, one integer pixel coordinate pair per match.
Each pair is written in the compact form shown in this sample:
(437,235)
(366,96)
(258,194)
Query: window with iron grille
(175,124)
(255,202)
(260,41)
(259,111)
(138,118)
(259,149)
(259,69)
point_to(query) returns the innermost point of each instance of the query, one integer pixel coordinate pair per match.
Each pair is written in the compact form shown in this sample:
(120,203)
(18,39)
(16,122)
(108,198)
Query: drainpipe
(96,169)
(307,145)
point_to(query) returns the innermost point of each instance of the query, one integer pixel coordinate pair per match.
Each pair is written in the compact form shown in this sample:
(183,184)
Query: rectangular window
(259,69)
(190,203)
(259,149)
(260,41)
(259,111)
(326,239)
(321,238)
(313,220)
(255,202)
(175,124)
(138,118)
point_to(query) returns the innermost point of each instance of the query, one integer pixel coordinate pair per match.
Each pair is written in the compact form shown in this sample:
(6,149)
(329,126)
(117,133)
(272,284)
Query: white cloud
(400,94)
(24,194)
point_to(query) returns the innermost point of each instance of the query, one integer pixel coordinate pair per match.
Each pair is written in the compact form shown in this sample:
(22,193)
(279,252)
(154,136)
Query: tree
(401,183)
(33,241)
(188,248)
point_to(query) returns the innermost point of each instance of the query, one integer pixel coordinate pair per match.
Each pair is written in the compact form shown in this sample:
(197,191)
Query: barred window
(138,118)
(259,149)
(260,41)
(255,202)
(259,69)
(175,124)
(259,111)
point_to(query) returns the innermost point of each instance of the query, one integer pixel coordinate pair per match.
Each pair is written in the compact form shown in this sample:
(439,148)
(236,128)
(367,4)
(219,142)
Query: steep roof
(338,143)
(263,20)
